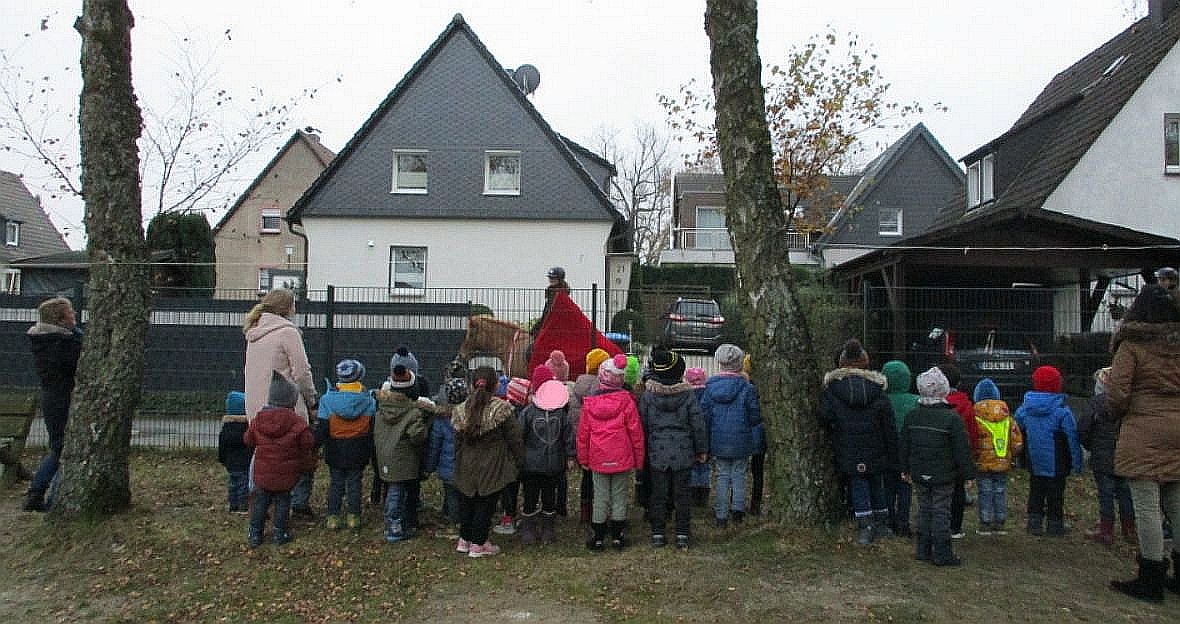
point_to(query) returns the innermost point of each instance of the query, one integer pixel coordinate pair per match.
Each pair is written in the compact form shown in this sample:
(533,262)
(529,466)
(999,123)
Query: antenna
(526,77)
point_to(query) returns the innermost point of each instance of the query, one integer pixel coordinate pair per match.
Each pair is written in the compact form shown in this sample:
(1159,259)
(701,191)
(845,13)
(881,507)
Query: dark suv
(1008,358)
(693,323)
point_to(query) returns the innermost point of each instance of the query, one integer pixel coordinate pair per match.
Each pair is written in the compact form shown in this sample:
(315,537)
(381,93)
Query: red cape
(567,329)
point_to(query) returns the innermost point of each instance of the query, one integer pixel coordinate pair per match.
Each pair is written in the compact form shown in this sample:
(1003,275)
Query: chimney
(1161,10)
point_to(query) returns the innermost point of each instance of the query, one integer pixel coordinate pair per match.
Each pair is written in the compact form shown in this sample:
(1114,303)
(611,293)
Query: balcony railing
(718,239)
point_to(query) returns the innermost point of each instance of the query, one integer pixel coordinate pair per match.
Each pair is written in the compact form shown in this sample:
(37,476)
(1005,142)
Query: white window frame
(401,181)
(711,237)
(488,155)
(987,169)
(973,185)
(264,279)
(1172,143)
(11,281)
(411,289)
(270,213)
(881,222)
(12,233)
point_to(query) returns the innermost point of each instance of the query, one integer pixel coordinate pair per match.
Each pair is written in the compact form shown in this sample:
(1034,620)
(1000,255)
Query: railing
(718,239)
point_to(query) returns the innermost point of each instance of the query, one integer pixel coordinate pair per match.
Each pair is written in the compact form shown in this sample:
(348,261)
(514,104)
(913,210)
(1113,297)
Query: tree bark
(94,471)
(802,479)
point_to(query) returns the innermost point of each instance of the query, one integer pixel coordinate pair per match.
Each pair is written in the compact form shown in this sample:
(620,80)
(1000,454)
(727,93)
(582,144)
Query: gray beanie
(933,387)
(729,357)
(282,393)
(404,357)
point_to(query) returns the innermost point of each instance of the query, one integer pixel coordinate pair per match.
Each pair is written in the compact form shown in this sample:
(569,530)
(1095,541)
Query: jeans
(543,487)
(1149,496)
(934,511)
(661,482)
(345,482)
(899,497)
(395,504)
(993,496)
(1046,497)
(868,495)
(1112,487)
(451,503)
(610,496)
(45,472)
(475,516)
(731,480)
(237,489)
(757,477)
(301,493)
(701,475)
(262,500)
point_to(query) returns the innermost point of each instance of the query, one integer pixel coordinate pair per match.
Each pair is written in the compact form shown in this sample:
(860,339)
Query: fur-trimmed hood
(479,425)
(656,387)
(1165,335)
(855,387)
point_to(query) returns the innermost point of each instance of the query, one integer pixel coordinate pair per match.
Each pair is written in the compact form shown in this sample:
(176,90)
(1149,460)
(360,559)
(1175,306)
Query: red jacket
(610,436)
(961,402)
(281,441)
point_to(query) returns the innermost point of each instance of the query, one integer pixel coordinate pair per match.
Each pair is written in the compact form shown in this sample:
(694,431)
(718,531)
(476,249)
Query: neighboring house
(898,194)
(255,249)
(28,233)
(456,181)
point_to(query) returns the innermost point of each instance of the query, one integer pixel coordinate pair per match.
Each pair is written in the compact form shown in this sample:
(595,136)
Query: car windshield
(990,340)
(697,308)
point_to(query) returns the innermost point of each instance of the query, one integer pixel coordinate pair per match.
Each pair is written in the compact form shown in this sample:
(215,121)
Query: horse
(508,341)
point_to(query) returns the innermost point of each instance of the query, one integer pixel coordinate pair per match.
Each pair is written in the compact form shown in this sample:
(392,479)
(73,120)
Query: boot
(700,496)
(1173,583)
(738,516)
(34,500)
(586,510)
(1103,532)
(597,541)
(903,530)
(1129,532)
(1036,524)
(881,525)
(1149,585)
(618,540)
(548,528)
(943,554)
(923,547)
(865,536)
(529,534)
(254,538)
(756,507)
(1055,527)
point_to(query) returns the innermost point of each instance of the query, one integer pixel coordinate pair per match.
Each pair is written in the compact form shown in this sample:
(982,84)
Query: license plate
(1001,366)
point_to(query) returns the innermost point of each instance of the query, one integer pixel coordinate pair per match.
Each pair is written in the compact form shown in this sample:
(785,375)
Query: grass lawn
(178,556)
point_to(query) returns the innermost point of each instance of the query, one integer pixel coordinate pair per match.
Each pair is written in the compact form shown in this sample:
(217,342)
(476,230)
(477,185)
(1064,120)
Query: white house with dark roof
(28,233)
(456,181)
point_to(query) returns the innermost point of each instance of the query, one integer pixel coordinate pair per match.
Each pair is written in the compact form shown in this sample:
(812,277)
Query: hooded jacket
(1144,391)
(440,451)
(610,437)
(346,426)
(731,410)
(899,380)
(489,448)
(855,409)
(933,448)
(673,426)
(399,431)
(55,355)
(275,344)
(1098,432)
(281,441)
(991,416)
(548,439)
(1050,434)
(232,451)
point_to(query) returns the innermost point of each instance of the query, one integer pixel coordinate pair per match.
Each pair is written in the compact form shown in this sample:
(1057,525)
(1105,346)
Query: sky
(603,63)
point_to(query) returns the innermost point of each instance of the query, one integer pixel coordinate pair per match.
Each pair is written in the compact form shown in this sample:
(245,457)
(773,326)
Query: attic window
(980,185)
(1172,143)
(889,222)
(271,221)
(12,233)
(410,172)
(501,173)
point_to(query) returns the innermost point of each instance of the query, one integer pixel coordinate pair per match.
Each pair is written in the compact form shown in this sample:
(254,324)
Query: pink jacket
(610,436)
(274,343)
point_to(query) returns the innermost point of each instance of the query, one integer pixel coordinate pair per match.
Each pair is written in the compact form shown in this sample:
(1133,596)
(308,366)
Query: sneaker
(254,540)
(959,535)
(998,528)
(658,541)
(394,538)
(333,523)
(682,542)
(353,521)
(506,526)
(488,549)
(985,528)
(283,537)
(463,546)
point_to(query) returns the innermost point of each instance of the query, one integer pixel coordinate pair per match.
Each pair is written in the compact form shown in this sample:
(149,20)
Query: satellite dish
(527,78)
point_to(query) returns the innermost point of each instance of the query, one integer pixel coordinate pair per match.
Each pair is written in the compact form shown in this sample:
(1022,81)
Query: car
(1007,357)
(693,324)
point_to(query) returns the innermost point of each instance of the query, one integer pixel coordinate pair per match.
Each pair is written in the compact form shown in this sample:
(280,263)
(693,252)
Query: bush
(628,322)
(479,309)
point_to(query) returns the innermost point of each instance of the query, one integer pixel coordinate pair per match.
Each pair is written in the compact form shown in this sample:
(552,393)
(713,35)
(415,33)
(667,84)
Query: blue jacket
(350,450)
(440,453)
(1050,434)
(731,410)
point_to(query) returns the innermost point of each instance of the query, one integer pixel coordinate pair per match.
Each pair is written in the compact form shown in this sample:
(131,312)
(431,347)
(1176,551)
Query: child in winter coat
(961,403)
(1051,437)
(730,406)
(233,453)
(899,494)
(701,475)
(676,440)
(345,429)
(854,408)
(935,456)
(999,440)
(281,441)
(440,454)
(610,444)
(548,448)
(585,385)
(399,433)
(1098,432)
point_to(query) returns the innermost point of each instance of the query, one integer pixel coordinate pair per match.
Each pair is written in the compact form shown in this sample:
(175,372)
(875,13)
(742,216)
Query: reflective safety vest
(999,431)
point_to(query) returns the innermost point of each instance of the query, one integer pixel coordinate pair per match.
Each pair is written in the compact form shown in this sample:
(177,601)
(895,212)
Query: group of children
(656,429)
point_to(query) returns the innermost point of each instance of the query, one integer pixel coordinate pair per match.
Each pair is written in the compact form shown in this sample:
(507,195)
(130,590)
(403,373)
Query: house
(255,249)
(28,233)
(456,181)
(899,193)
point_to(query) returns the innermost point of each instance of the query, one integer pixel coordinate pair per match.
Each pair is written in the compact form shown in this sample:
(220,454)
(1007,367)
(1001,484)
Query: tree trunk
(803,484)
(94,471)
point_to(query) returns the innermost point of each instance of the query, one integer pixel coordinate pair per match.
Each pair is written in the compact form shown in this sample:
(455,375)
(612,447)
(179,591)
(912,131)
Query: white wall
(1121,180)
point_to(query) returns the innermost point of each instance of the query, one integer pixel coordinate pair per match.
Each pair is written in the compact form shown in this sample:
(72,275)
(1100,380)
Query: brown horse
(506,340)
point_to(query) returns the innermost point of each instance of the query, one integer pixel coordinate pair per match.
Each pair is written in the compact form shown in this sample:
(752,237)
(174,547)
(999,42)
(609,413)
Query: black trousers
(676,482)
(475,516)
(543,487)
(958,505)
(1046,496)
(509,496)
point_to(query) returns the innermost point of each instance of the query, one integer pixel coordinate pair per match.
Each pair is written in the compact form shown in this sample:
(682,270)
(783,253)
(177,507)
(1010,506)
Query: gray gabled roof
(550,194)
(323,154)
(38,237)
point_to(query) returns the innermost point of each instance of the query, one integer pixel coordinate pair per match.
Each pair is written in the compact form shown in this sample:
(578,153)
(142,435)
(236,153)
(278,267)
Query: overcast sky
(602,62)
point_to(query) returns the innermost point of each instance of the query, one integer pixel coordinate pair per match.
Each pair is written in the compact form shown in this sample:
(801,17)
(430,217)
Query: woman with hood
(855,409)
(899,494)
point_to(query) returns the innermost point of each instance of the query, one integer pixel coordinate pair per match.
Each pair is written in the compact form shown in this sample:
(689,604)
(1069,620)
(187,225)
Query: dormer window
(12,233)
(1172,143)
(980,187)
(889,221)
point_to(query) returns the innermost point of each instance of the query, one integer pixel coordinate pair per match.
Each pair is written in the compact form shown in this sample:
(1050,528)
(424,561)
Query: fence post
(593,315)
(329,332)
(864,313)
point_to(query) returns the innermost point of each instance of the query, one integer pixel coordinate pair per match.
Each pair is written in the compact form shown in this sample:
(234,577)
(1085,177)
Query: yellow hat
(747,366)
(594,358)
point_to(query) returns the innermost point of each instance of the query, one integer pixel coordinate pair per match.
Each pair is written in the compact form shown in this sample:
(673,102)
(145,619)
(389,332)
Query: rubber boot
(597,542)
(529,531)
(617,530)
(923,547)
(1036,524)
(1103,532)
(1149,585)
(864,537)
(944,555)
(881,525)
(548,527)
(1173,583)
(34,500)
(1129,533)
(1055,527)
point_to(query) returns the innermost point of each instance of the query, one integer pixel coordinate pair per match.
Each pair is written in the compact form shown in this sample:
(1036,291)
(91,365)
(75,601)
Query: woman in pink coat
(610,445)
(274,343)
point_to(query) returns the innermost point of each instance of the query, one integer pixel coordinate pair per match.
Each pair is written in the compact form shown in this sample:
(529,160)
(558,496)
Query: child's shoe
(487,549)
(597,542)
(1103,532)
(506,526)
(682,542)
(998,528)
(722,523)
(985,528)
(353,521)
(463,546)
(738,516)
(618,540)
(1055,527)
(283,537)
(333,522)
(1036,525)
(548,528)
(254,540)
(393,532)
(658,541)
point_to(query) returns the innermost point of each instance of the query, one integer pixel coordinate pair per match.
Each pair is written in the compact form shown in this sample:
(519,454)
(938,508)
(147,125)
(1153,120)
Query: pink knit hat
(696,376)
(610,372)
(541,374)
(557,364)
